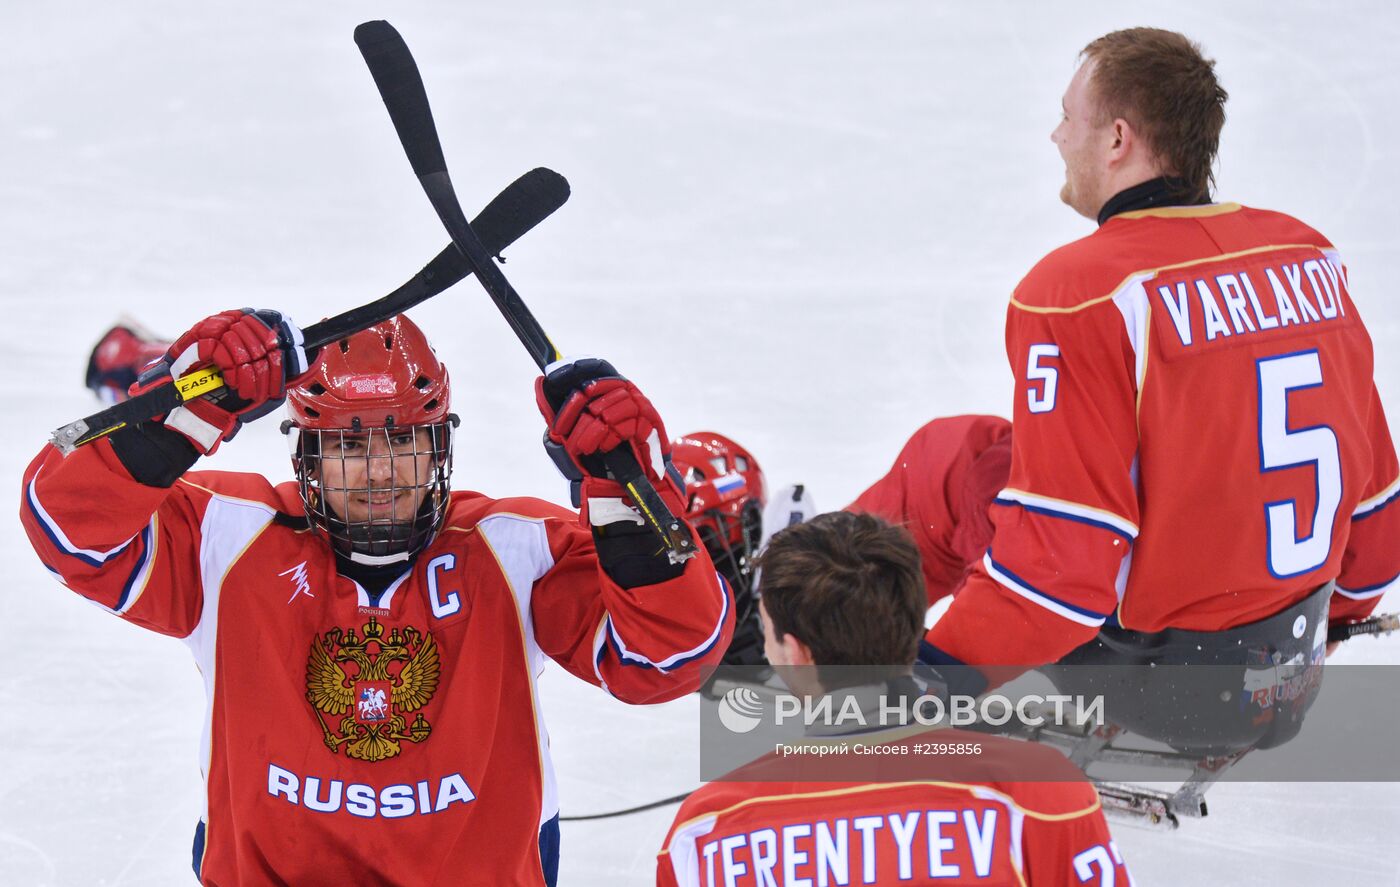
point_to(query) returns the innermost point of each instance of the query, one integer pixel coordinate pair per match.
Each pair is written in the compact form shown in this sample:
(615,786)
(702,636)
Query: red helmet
(721,477)
(386,375)
(725,498)
(371,437)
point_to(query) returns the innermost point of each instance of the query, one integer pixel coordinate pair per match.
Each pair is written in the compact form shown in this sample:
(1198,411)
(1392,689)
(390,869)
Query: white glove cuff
(204,435)
(602,512)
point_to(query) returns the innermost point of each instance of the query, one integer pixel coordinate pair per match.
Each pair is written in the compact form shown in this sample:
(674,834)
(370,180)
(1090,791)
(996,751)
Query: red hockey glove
(259,353)
(118,358)
(591,409)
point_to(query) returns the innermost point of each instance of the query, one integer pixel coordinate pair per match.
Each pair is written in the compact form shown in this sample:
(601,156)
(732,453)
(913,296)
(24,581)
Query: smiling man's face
(378,476)
(1083,138)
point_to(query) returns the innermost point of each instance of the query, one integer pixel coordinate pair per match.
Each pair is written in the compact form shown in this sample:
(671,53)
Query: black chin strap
(291,521)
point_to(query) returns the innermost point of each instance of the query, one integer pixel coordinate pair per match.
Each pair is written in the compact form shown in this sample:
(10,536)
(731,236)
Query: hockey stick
(525,203)
(641,808)
(401,87)
(1378,625)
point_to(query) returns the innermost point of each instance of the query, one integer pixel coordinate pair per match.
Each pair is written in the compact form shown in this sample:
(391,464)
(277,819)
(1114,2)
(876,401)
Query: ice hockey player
(1199,445)
(845,589)
(369,640)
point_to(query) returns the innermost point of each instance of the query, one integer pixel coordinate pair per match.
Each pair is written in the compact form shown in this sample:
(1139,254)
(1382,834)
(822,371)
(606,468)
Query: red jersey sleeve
(128,547)
(1069,513)
(647,644)
(1371,562)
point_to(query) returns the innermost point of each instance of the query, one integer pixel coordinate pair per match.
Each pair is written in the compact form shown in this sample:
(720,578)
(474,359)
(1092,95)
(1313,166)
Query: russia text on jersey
(358,799)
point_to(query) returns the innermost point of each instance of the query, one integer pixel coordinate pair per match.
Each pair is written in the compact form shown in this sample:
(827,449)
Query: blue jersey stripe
(1050,512)
(1091,614)
(627,657)
(1361,592)
(51,530)
(144,542)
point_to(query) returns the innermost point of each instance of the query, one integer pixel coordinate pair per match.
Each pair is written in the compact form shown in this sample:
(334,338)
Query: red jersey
(357,738)
(911,831)
(940,488)
(1199,442)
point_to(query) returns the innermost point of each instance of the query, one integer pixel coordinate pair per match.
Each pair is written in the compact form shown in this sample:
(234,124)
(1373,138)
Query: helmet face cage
(355,485)
(732,543)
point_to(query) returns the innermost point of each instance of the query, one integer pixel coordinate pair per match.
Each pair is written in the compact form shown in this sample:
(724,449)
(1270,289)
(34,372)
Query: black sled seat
(1207,693)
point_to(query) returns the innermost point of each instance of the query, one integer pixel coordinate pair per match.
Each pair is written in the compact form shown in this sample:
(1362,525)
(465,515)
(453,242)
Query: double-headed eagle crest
(364,685)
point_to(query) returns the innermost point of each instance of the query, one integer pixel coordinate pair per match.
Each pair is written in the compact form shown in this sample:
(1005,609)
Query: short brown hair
(849,586)
(1161,83)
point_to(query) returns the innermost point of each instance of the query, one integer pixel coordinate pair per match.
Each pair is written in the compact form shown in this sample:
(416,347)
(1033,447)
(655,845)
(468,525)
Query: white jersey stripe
(229,527)
(142,575)
(1017,820)
(1133,304)
(600,649)
(521,546)
(1377,501)
(58,537)
(685,856)
(631,657)
(1012,584)
(1072,510)
(1373,591)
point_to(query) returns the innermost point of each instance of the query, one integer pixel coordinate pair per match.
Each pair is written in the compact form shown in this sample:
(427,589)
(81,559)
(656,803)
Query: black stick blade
(520,207)
(401,87)
(525,203)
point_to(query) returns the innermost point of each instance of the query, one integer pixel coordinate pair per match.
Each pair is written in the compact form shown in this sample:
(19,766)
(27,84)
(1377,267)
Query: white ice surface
(794,222)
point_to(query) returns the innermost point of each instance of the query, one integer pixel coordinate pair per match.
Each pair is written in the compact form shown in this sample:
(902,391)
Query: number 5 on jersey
(1280,448)
(1047,374)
